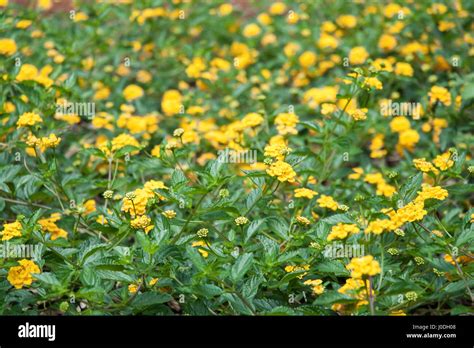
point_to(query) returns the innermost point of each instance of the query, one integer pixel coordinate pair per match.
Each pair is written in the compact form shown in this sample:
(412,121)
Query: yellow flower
(376,146)
(378,226)
(20,276)
(153,281)
(201,243)
(399,124)
(358,55)
(50,141)
(251,30)
(408,139)
(341,231)
(49,225)
(282,170)
(155,152)
(171,102)
(305,193)
(45,4)
(318,288)
(277,8)
(90,206)
(11,230)
(346,21)
(443,162)
(431,192)
(441,94)
(403,69)
(327,202)
(363,266)
(132,288)
(307,59)
(252,119)
(303,220)
(7,47)
(28,119)
(196,68)
(387,42)
(358,114)
(132,92)
(170,214)
(351,285)
(123,140)
(225,9)
(23,24)
(424,166)
(373,82)
(358,172)
(286,123)
(327,41)
(141,222)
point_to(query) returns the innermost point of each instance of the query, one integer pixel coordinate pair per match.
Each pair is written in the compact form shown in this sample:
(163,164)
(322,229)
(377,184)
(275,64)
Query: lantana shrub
(236,158)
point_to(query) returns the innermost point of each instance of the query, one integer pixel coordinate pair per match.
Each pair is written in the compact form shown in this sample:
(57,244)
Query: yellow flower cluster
(136,204)
(123,140)
(282,171)
(358,55)
(252,119)
(376,146)
(29,72)
(441,162)
(11,230)
(7,47)
(20,276)
(327,202)
(132,92)
(28,119)
(358,114)
(363,266)
(49,225)
(286,123)
(43,143)
(342,231)
(437,125)
(378,226)
(142,222)
(291,268)
(316,284)
(441,94)
(373,82)
(413,211)
(303,221)
(305,193)
(145,125)
(172,102)
(383,189)
(407,137)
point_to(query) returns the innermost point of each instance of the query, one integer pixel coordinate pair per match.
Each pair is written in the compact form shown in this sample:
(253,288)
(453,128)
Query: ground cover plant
(236,158)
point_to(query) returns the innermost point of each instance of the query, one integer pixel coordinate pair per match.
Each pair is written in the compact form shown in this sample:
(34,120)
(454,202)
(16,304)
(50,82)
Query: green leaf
(195,258)
(149,299)
(241,266)
(208,290)
(253,228)
(47,278)
(331,297)
(411,187)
